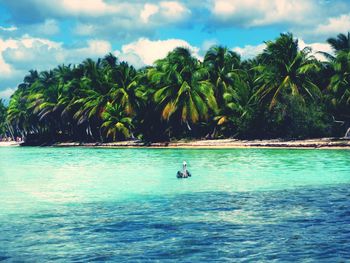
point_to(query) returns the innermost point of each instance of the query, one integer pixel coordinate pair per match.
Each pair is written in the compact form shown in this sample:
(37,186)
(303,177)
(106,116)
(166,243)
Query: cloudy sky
(40,34)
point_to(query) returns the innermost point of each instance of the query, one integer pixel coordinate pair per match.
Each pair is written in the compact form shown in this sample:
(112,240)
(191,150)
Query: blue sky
(40,34)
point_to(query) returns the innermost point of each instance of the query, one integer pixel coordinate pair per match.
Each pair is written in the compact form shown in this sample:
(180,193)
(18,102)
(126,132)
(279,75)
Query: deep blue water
(306,222)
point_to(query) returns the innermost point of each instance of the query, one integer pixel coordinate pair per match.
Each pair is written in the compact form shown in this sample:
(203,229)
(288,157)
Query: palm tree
(18,115)
(285,68)
(183,89)
(223,66)
(43,98)
(29,80)
(237,105)
(110,61)
(95,90)
(115,123)
(223,96)
(340,43)
(340,65)
(339,86)
(126,92)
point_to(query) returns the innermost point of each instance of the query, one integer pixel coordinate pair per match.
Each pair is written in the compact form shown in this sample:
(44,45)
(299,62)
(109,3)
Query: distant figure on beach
(184,173)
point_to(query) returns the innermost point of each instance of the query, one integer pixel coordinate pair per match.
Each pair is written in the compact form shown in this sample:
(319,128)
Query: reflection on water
(127,205)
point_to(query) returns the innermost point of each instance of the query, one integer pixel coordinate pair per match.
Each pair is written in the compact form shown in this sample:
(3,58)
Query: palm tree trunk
(100,134)
(347,134)
(10,130)
(213,133)
(188,126)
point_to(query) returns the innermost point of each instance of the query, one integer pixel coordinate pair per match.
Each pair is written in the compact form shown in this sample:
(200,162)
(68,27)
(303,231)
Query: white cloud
(173,10)
(17,56)
(6,94)
(134,10)
(49,27)
(316,47)
(124,20)
(85,29)
(224,8)
(138,22)
(170,10)
(6,70)
(148,11)
(334,25)
(94,49)
(259,13)
(249,51)
(131,58)
(127,20)
(11,28)
(27,52)
(88,7)
(149,51)
(208,44)
(312,19)
(164,13)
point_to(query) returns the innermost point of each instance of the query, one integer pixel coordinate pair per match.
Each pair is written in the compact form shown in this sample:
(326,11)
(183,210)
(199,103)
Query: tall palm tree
(44,97)
(127,92)
(223,66)
(18,115)
(285,68)
(340,65)
(94,92)
(340,81)
(183,89)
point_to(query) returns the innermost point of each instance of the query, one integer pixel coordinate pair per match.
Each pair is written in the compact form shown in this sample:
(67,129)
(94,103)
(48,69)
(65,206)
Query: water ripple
(310,224)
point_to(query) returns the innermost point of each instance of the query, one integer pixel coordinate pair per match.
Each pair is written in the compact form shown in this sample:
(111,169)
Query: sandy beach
(6,144)
(322,143)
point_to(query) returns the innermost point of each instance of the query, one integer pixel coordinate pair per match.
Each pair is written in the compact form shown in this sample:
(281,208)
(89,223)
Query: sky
(41,34)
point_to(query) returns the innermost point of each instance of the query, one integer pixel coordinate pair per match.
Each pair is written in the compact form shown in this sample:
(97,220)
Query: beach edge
(320,143)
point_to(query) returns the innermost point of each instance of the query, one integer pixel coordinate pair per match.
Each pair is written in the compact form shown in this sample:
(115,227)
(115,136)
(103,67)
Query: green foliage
(286,69)
(292,118)
(115,123)
(183,93)
(284,92)
(3,113)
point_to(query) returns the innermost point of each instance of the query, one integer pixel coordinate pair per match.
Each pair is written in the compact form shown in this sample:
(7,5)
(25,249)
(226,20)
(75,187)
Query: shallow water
(80,204)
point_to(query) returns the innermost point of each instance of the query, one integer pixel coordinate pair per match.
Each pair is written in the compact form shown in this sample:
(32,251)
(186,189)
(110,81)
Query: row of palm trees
(283,92)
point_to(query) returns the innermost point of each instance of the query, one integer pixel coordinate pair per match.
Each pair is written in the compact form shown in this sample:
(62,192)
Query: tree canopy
(283,92)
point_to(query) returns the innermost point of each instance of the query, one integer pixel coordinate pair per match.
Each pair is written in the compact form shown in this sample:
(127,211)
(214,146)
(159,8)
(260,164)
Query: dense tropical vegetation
(3,112)
(284,92)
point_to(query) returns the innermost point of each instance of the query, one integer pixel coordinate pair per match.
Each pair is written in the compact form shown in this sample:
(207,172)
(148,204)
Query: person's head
(184,164)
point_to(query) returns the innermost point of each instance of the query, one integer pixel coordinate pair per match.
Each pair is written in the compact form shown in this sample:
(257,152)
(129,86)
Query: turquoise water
(81,204)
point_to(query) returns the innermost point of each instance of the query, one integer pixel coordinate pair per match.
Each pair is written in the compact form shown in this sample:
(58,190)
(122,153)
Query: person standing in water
(184,173)
(184,169)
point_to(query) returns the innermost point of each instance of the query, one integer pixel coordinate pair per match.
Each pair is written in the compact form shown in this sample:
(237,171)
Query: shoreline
(320,143)
(9,144)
